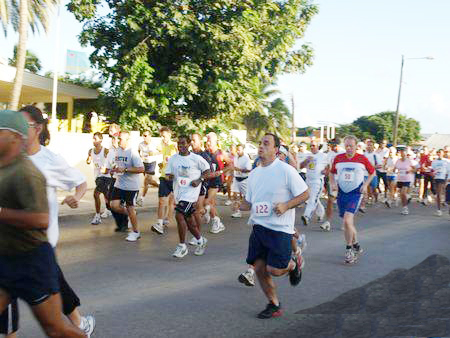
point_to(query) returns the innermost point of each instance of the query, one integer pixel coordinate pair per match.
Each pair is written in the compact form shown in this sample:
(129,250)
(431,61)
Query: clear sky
(358,47)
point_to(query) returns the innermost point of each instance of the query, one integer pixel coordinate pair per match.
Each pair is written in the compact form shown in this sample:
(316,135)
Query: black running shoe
(295,276)
(270,311)
(362,210)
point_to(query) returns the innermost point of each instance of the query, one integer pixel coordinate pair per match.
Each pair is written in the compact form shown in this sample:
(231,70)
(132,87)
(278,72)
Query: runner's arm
(245,206)
(281,208)
(72,200)
(24,219)
(203,177)
(89,158)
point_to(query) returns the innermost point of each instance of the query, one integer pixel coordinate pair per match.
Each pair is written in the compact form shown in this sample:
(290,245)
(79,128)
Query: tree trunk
(21,55)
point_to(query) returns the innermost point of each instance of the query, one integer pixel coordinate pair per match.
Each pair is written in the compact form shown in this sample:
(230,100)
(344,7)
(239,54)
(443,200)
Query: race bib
(184,181)
(262,209)
(348,176)
(403,172)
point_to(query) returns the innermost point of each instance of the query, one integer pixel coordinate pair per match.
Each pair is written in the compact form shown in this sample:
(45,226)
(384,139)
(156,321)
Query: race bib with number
(348,176)
(262,209)
(184,181)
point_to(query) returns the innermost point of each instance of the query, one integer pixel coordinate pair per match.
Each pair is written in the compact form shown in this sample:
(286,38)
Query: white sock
(97,214)
(160,222)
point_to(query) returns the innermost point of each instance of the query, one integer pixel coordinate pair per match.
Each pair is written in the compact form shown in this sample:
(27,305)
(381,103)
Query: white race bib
(348,176)
(184,181)
(262,209)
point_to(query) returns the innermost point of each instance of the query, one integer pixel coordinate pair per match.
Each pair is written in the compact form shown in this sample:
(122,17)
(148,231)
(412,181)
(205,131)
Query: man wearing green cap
(27,262)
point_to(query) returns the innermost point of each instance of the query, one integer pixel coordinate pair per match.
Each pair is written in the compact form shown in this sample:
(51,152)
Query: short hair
(162,129)
(98,134)
(37,116)
(194,134)
(441,150)
(146,131)
(187,138)
(275,138)
(351,137)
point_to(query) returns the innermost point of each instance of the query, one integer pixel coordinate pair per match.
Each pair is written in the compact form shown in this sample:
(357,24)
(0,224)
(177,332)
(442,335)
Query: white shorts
(239,187)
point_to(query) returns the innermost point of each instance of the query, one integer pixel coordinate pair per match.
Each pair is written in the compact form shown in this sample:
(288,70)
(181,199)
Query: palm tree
(27,13)
(32,62)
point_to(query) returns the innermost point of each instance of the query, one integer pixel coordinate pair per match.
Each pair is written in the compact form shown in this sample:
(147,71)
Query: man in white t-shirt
(377,162)
(274,189)
(439,171)
(242,166)
(127,165)
(188,171)
(383,153)
(301,156)
(148,153)
(316,165)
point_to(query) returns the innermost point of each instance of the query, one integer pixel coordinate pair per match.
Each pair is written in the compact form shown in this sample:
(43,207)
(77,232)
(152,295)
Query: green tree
(32,62)
(198,59)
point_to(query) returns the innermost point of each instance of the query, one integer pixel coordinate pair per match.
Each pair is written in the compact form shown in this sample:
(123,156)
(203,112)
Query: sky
(358,47)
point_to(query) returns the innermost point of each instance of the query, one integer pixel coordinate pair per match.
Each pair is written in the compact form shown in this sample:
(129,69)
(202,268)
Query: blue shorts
(31,276)
(373,183)
(165,187)
(391,178)
(273,247)
(349,201)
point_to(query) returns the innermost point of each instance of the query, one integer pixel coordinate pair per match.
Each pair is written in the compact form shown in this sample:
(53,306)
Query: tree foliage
(379,127)
(32,62)
(193,59)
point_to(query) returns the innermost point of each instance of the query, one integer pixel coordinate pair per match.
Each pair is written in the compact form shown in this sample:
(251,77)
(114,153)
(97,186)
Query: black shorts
(149,168)
(186,208)
(447,194)
(32,276)
(215,183)
(274,247)
(9,319)
(165,187)
(102,184)
(439,181)
(204,189)
(403,184)
(126,196)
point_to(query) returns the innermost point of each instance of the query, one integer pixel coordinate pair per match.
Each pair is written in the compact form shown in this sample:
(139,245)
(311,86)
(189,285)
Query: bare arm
(72,200)
(24,219)
(281,208)
(89,158)
(245,206)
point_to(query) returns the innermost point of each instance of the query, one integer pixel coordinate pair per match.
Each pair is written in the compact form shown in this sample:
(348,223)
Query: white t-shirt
(440,168)
(300,158)
(374,158)
(317,164)
(382,154)
(242,162)
(390,166)
(148,152)
(98,161)
(127,158)
(277,183)
(58,175)
(186,169)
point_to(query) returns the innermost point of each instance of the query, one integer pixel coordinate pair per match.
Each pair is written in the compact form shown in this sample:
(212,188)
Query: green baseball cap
(14,121)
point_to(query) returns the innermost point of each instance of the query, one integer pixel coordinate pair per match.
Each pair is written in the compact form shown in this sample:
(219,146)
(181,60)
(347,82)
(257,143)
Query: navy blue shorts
(128,197)
(186,208)
(9,319)
(32,276)
(447,194)
(215,183)
(149,168)
(403,184)
(273,247)
(165,187)
(348,201)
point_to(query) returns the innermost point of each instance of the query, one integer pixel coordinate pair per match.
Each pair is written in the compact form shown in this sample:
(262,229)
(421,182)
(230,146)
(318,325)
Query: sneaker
(96,220)
(217,226)
(140,201)
(207,217)
(438,213)
(326,226)
(320,219)
(295,275)
(405,211)
(193,241)
(133,236)
(301,242)
(228,202)
(359,251)
(237,214)
(106,214)
(362,210)
(247,278)
(87,325)
(271,311)
(388,203)
(305,220)
(350,257)
(166,222)
(159,229)
(180,251)
(200,249)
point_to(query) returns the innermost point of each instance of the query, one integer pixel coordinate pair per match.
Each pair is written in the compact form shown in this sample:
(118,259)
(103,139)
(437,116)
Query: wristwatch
(126,170)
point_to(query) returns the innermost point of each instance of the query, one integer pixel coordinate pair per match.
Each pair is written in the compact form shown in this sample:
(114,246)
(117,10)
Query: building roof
(438,141)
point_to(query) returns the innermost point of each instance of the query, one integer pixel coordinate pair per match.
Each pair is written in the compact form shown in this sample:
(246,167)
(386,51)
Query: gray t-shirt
(127,158)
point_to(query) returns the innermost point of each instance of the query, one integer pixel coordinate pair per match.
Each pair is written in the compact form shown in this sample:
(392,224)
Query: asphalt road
(140,290)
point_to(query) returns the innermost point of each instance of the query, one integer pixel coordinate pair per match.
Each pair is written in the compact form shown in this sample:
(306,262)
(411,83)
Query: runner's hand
(280,208)
(71,201)
(363,189)
(195,183)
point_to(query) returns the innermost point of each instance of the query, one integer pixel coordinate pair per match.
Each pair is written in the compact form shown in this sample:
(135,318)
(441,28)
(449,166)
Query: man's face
(123,140)
(183,145)
(267,148)
(7,138)
(196,142)
(314,147)
(369,146)
(440,153)
(240,151)
(384,144)
(350,147)
(302,148)
(96,141)
(34,129)
(211,141)
(147,137)
(165,136)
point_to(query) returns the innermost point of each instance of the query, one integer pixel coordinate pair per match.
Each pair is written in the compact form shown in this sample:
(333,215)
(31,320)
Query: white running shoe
(87,325)
(350,257)
(140,201)
(438,213)
(193,241)
(207,217)
(106,214)
(247,278)
(217,226)
(158,228)
(166,222)
(200,249)
(133,236)
(237,214)
(96,220)
(180,251)
(326,226)
(228,202)
(405,211)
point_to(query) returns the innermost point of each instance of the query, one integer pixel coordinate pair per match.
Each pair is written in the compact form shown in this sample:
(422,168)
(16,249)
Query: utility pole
(397,115)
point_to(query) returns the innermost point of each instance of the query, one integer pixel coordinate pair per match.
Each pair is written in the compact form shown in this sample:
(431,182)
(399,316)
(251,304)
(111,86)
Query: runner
(147,152)
(316,165)
(242,166)
(383,153)
(404,169)
(28,265)
(439,172)
(228,176)
(377,162)
(426,179)
(188,171)
(391,176)
(128,166)
(349,169)
(165,191)
(97,156)
(302,154)
(274,190)
(218,161)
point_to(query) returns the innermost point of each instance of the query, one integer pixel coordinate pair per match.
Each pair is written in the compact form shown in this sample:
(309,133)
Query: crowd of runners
(192,171)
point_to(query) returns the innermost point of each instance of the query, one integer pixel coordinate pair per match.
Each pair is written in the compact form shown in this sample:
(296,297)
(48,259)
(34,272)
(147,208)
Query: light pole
(397,115)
